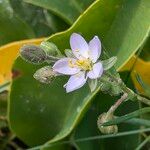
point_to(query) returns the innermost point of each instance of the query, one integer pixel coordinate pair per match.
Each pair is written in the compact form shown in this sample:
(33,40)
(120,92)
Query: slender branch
(94,138)
(143,99)
(117,104)
(143,143)
(15,146)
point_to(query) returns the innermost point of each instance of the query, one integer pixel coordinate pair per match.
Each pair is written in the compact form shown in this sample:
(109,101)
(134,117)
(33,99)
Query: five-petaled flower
(83,65)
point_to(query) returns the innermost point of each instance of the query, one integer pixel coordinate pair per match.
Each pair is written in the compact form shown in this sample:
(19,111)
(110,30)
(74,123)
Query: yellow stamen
(85,64)
(77,50)
(71,64)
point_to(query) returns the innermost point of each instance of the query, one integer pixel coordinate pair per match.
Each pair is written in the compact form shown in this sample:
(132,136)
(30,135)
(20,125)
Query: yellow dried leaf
(8,53)
(141,67)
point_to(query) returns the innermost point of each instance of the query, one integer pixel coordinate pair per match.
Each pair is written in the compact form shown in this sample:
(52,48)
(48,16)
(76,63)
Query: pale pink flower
(83,65)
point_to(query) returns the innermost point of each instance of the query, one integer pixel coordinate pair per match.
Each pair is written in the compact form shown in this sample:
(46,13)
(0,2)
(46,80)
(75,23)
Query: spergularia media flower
(83,64)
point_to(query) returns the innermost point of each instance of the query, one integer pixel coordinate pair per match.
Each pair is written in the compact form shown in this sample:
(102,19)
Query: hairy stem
(117,104)
(125,89)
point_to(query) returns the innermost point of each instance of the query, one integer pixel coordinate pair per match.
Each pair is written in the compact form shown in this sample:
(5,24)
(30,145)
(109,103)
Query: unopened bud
(33,54)
(115,89)
(50,48)
(105,87)
(45,75)
(106,129)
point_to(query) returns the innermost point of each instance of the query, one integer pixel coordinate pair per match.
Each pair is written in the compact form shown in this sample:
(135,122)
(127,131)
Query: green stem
(125,89)
(143,143)
(143,99)
(93,138)
(117,104)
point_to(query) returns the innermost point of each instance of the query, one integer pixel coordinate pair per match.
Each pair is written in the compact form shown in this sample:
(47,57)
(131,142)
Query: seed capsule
(45,75)
(106,129)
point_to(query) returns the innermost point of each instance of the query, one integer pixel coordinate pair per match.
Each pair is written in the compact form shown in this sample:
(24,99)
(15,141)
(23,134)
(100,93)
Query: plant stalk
(125,89)
(117,104)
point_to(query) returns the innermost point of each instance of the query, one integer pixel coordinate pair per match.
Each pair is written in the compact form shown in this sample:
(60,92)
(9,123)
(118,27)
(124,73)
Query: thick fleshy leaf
(12,28)
(40,20)
(53,97)
(75,82)
(68,10)
(96,71)
(62,66)
(79,46)
(94,49)
(124,35)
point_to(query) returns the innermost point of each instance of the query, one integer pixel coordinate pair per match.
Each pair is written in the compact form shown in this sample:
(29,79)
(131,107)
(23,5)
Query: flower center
(84,64)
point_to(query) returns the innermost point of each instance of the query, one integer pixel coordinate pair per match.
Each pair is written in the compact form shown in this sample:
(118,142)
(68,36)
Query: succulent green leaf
(68,10)
(12,27)
(48,112)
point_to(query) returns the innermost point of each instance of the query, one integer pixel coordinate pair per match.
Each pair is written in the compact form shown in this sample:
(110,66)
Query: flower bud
(45,75)
(115,89)
(105,87)
(104,117)
(33,54)
(50,48)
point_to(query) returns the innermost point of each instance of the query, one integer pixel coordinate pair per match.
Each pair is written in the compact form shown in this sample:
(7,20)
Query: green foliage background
(40,114)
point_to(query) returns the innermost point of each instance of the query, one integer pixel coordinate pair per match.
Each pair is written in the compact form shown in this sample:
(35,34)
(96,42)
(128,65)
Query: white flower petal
(96,72)
(62,66)
(94,49)
(79,46)
(75,82)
